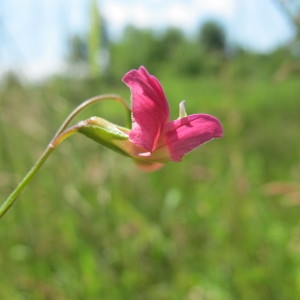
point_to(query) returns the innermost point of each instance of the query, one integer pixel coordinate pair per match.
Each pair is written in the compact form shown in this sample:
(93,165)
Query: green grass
(92,226)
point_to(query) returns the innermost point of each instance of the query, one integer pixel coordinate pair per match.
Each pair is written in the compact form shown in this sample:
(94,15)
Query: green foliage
(77,50)
(170,49)
(212,37)
(173,52)
(223,224)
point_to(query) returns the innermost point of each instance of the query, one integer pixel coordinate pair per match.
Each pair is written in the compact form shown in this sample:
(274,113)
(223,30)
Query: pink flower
(153,139)
(152,131)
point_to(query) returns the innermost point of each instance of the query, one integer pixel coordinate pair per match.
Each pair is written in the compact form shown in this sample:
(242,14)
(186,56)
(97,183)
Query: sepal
(106,133)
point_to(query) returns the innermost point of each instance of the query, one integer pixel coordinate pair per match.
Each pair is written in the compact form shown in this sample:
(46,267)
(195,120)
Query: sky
(34,33)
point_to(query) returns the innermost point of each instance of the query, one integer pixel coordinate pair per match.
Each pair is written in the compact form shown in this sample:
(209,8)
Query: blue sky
(33,33)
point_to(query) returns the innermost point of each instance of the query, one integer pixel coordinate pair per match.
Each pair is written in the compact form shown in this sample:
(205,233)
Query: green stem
(18,190)
(89,102)
(60,135)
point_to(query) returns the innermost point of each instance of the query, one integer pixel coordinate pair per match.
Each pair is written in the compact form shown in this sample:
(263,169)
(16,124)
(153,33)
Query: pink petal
(150,110)
(185,134)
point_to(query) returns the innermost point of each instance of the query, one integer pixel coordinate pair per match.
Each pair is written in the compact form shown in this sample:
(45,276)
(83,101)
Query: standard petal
(185,134)
(150,110)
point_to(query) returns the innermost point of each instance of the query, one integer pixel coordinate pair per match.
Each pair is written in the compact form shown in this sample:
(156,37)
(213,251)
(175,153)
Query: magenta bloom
(153,139)
(152,130)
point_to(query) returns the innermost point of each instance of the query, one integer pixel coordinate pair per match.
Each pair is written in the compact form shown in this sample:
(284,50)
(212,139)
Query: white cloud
(158,14)
(179,15)
(116,15)
(218,7)
(140,16)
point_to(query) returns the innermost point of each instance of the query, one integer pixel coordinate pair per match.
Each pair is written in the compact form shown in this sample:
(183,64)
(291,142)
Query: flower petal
(185,134)
(150,110)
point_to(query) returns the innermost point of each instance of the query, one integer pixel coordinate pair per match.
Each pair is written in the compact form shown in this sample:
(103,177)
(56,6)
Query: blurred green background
(222,224)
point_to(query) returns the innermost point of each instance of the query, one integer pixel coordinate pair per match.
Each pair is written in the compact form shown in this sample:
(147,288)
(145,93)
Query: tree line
(172,51)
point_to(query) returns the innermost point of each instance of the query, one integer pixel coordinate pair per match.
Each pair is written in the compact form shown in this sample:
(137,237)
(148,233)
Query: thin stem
(18,190)
(59,136)
(87,103)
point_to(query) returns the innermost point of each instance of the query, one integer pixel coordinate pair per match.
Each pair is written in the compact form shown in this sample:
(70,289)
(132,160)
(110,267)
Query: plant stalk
(60,135)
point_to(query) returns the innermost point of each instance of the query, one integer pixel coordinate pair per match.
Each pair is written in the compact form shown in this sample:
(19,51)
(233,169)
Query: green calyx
(105,133)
